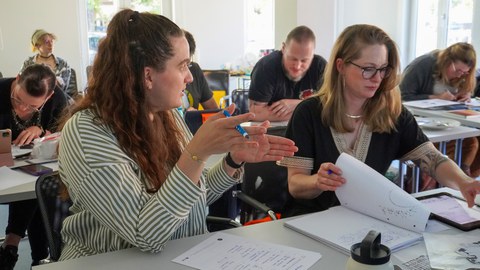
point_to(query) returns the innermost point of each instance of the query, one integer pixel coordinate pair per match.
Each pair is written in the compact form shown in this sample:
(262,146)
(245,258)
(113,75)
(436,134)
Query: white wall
(285,20)
(218,28)
(321,17)
(328,18)
(20,18)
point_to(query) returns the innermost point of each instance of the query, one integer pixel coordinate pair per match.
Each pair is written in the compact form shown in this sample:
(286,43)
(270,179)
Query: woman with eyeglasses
(444,74)
(30,107)
(358,111)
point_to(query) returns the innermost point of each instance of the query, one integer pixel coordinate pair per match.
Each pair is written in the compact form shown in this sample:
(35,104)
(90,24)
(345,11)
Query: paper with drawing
(370,193)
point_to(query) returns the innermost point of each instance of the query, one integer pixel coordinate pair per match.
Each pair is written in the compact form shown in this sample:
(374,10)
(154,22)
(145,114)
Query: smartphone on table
(6,158)
(36,169)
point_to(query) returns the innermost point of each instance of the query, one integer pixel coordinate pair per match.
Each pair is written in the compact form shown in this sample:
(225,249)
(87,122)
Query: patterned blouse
(65,76)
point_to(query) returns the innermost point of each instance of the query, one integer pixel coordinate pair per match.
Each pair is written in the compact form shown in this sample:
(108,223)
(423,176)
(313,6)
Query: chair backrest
(476,91)
(72,88)
(240,98)
(195,119)
(53,210)
(267,183)
(218,79)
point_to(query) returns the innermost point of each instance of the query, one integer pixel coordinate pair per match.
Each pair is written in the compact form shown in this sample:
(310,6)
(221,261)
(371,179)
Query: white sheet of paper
(223,251)
(429,103)
(368,192)
(10,178)
(17,151)
(442,247)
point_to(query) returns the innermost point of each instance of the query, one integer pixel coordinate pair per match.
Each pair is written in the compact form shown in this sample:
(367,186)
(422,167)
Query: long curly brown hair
(116,91)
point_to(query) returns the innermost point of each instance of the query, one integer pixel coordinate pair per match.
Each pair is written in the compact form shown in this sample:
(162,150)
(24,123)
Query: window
(441,23)
(260,27)
(100,12)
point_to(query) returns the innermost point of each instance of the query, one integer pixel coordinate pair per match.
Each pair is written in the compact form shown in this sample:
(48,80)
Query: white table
(272,232)
(471,122)
(24,191)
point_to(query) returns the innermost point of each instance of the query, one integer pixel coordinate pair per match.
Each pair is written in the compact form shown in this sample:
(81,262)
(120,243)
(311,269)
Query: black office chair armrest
(255,204)
(223,221)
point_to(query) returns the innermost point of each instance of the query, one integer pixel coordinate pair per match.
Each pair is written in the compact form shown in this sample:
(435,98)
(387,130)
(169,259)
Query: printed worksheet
(223,251)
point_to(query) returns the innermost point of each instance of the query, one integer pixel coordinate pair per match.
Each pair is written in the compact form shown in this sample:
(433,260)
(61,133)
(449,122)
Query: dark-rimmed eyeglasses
(370,72)
(16,102)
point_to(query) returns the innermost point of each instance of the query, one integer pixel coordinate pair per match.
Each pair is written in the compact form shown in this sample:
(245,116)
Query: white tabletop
(453,133)
(24,191)
(272,232)
(471,122)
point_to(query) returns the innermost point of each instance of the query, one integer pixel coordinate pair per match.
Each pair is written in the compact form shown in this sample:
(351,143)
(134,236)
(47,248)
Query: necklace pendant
(353,116)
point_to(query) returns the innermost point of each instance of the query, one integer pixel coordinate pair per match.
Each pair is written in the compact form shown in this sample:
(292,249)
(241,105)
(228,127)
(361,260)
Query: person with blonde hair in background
(445,74)
(43,45)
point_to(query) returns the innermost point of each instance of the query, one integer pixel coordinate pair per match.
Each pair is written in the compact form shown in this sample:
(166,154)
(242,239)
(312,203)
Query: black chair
(267,183)
(218,79)
(239,97)
(194,119)
(476,91)
(53,210)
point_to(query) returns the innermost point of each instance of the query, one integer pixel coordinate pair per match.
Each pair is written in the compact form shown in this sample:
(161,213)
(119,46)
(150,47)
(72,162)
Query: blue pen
(237,127)
(329,172)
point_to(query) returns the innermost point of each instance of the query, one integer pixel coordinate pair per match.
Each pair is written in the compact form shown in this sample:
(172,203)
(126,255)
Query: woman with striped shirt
(134,173)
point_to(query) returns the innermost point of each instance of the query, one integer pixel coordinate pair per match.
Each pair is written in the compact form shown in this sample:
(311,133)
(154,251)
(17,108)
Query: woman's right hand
(329,177)
(218,135)
(445,96)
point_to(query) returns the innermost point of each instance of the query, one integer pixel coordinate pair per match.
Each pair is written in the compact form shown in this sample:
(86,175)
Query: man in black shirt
(283,78)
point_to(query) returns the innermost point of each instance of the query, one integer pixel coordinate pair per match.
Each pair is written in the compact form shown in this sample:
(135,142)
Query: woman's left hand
(469,191)
(464,97)
(268,148)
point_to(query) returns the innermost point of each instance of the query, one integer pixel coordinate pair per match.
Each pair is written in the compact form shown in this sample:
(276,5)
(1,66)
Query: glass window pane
(427,26)
(460,21)
(260,28)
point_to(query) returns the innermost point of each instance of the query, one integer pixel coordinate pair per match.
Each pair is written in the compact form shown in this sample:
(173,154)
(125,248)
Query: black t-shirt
(197,91)
(269,82)
(315,141)
(49,116)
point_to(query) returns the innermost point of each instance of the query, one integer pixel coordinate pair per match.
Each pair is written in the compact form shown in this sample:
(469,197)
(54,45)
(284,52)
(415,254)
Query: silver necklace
(353,116)
(24,124)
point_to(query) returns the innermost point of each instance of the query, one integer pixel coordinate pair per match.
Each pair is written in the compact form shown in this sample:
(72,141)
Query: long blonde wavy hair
(382,110)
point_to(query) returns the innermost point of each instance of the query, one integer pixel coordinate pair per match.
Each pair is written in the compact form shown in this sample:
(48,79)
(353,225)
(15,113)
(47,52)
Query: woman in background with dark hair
(197,92)
(135,174)
(30,107)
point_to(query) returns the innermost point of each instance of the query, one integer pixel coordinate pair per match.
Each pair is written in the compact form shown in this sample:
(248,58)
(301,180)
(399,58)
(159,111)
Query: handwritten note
(224,251)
